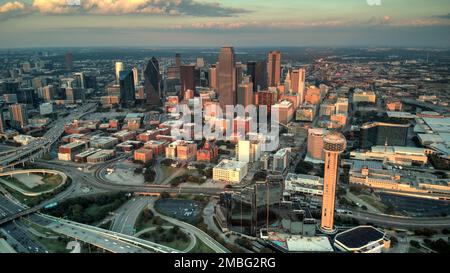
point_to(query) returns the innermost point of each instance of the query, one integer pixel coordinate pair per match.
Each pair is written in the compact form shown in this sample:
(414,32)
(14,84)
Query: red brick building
(143,155)
(208,153)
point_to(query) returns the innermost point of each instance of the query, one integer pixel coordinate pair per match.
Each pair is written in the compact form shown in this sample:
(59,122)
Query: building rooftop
(438,125)
(155,142)
(73,144)
(359,237)
(309,244)
(398,150)
(403,115)
(101,154)
(122,133)
(231,165)
(357,165)
(89,152)
(134,116)
(335,138)
(304,177)
(102,140)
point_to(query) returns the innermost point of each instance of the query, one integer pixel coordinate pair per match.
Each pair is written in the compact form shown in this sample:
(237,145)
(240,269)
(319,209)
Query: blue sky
(25,23)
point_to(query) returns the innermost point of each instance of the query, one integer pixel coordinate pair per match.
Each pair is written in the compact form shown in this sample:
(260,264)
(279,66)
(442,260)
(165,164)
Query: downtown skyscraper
(258,73)
(274,68)
(127,88)
(226,77)
(18,115)
(68,61)
(189,78)
(297,78)
(152,83)
(118,68)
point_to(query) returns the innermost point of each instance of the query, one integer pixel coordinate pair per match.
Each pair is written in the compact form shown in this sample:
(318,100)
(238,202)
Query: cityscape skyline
(226,127)
(215,23)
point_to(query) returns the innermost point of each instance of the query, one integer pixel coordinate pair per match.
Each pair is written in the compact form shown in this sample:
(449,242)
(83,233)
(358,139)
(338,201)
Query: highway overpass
(39,147)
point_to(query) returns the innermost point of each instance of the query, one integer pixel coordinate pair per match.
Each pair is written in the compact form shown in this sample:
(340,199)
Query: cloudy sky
(210,23)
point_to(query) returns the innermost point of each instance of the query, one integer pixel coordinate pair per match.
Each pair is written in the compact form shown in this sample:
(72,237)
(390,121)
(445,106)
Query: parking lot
(185,210)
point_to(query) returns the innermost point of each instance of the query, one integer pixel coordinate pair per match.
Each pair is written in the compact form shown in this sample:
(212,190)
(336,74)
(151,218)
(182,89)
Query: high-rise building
(239,73)
(258,73)
(91,81)
(248,151)
(152,83)
(19,115)
(281,160)
(226,77)
(9,87)
(178,61)
(26,96)
(313,95)
(136,76)
(245,94)
(80,80)
(298,83)
(274,68)
(315,143)
(267,98)
(187,78)
(127,90)
(68,60)
(213,77)
(283,112)
(74,94)
(48,93)
(333,144)
(119,67)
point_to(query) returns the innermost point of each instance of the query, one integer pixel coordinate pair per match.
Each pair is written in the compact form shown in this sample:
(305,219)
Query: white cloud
(122,7)
(12,7)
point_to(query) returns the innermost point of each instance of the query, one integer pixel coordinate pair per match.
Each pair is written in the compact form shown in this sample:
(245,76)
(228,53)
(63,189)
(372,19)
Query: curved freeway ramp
(32,171)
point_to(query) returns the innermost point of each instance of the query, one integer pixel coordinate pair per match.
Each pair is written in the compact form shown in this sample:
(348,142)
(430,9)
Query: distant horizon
(218,47)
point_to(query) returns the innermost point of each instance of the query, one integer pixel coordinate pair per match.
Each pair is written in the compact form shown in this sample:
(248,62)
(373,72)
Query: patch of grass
(50,182)
(146,220)
(173,238)
(374,203)
(201,247)
(89,210)
(30,201)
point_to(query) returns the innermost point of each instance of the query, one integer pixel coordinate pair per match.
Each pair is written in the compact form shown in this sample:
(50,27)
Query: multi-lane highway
(37,148)
(16,232)
(108,240)
(126,216)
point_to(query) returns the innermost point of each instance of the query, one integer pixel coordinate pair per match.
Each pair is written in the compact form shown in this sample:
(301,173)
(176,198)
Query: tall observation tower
(334,144)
